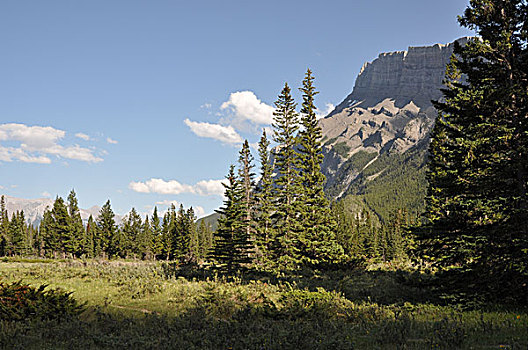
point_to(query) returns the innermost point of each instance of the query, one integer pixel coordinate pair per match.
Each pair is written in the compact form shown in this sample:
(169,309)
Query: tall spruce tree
(91,240)
(264,199)
(287,225)
(246,176)
(107,231)
(231,244)
(477,204)
(316,242)
(4,225)
(157,235)
(61,229)
(77,232)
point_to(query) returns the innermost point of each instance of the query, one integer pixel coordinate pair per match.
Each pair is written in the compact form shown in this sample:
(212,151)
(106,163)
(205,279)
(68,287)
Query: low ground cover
(131,304)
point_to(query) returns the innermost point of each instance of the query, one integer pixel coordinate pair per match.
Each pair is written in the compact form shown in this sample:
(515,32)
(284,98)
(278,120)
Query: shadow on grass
(384,287)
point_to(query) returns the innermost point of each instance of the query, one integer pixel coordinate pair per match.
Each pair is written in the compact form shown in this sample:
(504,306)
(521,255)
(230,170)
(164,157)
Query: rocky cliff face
(387,116)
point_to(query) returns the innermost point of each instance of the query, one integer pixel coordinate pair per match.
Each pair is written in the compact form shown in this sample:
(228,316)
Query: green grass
(157,306)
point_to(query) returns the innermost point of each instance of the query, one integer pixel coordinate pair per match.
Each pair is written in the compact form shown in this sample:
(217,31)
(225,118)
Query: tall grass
(160,306)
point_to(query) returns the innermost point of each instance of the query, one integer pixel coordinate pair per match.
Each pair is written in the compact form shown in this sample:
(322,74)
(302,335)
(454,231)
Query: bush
(20,301)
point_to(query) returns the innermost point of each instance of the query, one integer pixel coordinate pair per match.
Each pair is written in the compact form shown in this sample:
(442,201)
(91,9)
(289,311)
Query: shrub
(20,301)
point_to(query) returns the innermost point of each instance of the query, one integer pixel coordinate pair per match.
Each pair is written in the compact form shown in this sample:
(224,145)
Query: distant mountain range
(34,209)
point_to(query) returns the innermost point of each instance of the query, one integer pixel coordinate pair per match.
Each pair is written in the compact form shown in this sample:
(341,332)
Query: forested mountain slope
(376,139)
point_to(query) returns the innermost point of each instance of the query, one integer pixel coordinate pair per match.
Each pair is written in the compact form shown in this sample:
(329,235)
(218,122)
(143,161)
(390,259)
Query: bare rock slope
(379,133)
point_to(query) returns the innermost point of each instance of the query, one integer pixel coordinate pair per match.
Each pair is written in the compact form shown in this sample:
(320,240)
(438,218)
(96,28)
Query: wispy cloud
(226,134)
(82,136)
(202,188)
(113,142)
(36,143)
(46,194)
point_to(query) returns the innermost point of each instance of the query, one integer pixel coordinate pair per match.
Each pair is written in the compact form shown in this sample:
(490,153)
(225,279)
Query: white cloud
(199,211)
(37,142)
(209,187)
(202,188)
(206,106)
(226,134)
(46,194)
(323,113)
(246,106)
(109,140)
(82,136)
(168,202)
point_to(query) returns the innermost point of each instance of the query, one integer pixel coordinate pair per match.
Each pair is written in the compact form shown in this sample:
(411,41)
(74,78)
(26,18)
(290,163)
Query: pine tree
(157,235)
(129,235)
(60,229)
(91,238)
(205,239)
(264,198)
(145,242)
(246,176)
(107,231)
(231,246)
(286,183)
(4,225)
(169,219)
(77,233)
(17,234)
(317,242)
(477,203)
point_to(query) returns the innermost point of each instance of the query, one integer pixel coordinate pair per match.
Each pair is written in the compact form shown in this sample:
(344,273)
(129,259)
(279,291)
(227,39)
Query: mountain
(375,141)
(34,209)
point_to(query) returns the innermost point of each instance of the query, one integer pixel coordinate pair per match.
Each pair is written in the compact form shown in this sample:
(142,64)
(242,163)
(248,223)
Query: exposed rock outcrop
(388,114)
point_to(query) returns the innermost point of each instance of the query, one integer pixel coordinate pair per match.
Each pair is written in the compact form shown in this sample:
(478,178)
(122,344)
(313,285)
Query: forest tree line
(283,219)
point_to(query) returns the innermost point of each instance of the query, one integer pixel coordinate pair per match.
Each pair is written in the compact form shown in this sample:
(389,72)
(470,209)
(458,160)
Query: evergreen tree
(317,242)
(78,239)
(157,236)
(168,221)
(17,234)
(286,183)
(264,198)
(107,231)
(477,203)
(205,239)
(4,225)
(60,230)
(145,242)
(231,244)
(246,176)
(91,239)
(191,250)
(129,235)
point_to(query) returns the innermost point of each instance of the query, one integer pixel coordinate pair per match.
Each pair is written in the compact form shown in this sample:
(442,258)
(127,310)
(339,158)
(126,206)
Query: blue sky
(145,102)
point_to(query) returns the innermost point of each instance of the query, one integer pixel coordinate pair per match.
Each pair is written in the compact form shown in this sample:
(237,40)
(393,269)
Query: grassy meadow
(142,305)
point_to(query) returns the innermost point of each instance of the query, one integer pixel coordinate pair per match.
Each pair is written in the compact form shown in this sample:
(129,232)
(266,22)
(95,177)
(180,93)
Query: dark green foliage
(286,183)
(4,224)
(315,243)
(247,182)
(77,233)
(264,199)
(231,242)
(127,239)
(107,231)
(477,202)
(21,302)
(342,149)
